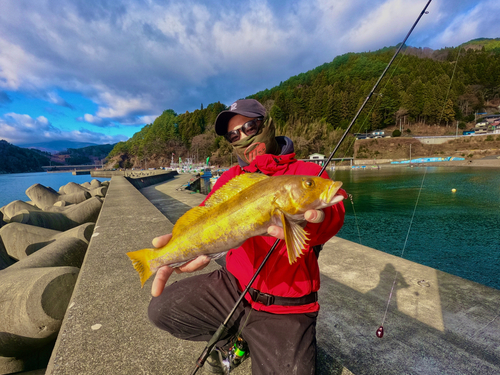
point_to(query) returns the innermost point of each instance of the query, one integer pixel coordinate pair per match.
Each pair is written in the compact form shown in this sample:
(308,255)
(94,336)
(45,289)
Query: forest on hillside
(17,159)
(434,87)
(86,155)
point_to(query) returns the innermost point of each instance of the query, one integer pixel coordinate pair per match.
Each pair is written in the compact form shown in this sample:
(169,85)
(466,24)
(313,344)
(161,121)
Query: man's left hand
(312,216)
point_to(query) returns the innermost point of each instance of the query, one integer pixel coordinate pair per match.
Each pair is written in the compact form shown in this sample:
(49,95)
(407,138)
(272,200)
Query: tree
(396,133)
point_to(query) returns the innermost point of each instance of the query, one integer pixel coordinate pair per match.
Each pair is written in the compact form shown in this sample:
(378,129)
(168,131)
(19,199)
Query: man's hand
(312,216)
(163,273)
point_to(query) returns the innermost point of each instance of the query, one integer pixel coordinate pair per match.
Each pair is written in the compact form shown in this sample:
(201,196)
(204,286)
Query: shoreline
(474,163)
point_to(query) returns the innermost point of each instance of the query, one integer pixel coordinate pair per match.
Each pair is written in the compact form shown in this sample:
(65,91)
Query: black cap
(245,107)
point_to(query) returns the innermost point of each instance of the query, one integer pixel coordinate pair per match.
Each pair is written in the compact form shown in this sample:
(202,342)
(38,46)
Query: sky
(97,71)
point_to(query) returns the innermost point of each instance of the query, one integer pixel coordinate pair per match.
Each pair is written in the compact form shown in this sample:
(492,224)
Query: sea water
(407,212)
(13,186)
(413,213)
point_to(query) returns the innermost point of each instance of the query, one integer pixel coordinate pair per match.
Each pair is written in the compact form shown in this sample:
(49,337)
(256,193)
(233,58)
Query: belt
(269,299)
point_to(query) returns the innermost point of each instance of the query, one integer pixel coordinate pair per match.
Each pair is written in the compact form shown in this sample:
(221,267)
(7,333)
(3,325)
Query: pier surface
(436,323)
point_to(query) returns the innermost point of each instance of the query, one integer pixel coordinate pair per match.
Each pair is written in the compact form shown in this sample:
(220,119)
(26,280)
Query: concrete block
(71,188)
(75,198)
(22,240)
(34,302)
(95,184)
(85,212)
(99,192)
(13,208)
(34,363)
(86,185)
(65,251)
(49,220)
(71,217)
(42,196)
(82,232)
(5,259)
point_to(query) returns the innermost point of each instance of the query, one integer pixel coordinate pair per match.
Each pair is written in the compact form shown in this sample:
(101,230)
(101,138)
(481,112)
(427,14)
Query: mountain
(486,43)
(85,155)
(15,159)
(438,89)
(56,146)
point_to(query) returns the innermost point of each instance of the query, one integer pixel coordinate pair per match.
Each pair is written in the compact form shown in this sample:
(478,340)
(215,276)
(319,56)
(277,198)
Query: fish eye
(308,183)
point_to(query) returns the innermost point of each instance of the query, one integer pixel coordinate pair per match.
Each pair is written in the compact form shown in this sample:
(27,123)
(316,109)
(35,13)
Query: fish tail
(140,261)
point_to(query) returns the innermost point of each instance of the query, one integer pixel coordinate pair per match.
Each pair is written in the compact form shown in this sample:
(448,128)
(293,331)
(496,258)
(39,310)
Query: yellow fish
(244,207)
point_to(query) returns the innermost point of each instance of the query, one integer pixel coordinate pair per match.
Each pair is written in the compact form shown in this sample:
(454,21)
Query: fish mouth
(333,195)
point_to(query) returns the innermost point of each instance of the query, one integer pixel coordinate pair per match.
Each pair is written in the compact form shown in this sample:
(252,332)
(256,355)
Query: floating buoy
(453,190)
(380,332)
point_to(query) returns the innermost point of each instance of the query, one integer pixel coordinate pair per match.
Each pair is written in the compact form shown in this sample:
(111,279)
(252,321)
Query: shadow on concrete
(349,319)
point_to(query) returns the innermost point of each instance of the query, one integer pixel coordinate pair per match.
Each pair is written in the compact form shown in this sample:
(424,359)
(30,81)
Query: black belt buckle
(264,298)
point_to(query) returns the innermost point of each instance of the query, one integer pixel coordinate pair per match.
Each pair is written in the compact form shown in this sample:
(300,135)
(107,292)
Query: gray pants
(193,309)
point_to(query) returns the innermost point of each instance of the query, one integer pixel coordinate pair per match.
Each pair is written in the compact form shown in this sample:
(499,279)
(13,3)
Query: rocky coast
(43,242)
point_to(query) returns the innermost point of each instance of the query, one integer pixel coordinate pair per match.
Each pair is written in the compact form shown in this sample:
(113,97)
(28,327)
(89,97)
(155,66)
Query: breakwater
(436,323)
(42,246)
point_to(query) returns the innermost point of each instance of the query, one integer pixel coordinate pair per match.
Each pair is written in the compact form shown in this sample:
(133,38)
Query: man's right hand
(164,273)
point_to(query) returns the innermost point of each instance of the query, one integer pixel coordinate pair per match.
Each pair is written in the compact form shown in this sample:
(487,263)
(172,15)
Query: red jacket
(278,277)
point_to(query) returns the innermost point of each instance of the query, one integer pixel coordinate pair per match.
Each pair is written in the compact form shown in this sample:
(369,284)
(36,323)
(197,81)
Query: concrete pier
(436,323)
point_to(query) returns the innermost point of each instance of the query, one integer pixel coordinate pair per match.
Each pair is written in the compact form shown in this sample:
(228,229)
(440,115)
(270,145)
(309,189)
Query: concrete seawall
(436,323)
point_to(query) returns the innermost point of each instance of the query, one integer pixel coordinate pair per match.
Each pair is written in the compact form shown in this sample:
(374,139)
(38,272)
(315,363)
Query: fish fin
(187,219)
(140,261)
(233,187)
(295,238)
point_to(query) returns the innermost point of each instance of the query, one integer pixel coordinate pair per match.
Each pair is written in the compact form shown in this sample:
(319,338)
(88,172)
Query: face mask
(264,142)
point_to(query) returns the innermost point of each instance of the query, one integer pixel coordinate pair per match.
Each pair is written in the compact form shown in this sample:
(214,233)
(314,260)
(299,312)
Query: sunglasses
(248,128)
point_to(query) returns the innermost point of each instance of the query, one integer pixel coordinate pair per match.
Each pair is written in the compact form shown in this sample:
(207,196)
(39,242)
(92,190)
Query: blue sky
(97,71)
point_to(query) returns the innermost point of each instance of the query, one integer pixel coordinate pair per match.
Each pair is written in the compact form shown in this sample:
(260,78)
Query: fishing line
(222,330)
(380,331)
(449,87)
(373,90)
(479,330)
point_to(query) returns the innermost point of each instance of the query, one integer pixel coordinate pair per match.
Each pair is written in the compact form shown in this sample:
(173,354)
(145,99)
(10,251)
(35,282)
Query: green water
(458,233)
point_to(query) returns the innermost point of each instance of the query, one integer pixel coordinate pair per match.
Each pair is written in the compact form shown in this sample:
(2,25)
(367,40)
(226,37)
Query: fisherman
(278,319)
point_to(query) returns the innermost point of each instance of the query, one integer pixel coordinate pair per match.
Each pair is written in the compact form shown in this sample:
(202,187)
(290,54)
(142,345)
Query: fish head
(305,193)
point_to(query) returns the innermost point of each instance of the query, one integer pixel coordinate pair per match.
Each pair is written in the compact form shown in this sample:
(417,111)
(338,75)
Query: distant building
(489,118)
(317,156)
(481,128)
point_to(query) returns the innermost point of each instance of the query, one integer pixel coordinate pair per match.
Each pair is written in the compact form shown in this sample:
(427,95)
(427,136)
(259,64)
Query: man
(278,320)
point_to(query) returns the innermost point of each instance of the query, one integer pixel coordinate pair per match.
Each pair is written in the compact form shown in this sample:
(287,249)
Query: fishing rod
(223,328)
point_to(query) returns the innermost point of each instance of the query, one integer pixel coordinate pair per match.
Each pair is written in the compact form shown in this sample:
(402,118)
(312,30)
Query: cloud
(20,129)
(95,120)
(478,19)
(54,98)
(138,58)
